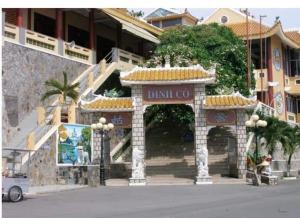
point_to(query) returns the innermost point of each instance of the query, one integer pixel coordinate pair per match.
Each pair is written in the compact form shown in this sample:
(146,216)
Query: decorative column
(59,30)
(72,113)
(201,137)
(92,34)
(20,24)
(138,139)
(241,142)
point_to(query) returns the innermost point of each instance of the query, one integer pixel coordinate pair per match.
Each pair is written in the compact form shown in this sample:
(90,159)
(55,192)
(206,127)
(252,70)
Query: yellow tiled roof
(107,104)
(232,101)
(294,36)
(240,29)
(166,74)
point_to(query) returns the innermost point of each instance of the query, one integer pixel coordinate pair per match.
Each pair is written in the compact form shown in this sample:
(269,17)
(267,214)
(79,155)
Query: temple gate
(179,85)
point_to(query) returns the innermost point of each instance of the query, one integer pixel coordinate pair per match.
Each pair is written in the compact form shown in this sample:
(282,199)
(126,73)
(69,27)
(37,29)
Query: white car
(13,188)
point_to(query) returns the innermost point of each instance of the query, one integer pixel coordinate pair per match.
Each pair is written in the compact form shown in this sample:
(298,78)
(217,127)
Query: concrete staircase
(170,160)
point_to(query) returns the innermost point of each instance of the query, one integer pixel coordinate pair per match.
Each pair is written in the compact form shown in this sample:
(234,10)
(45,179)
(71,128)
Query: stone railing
(265,109)
(41,41)
(46,43)
(11,32)
(125,56)
(77,52)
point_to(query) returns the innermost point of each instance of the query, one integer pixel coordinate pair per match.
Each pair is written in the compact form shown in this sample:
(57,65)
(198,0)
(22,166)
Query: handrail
(125,56)
(125,140)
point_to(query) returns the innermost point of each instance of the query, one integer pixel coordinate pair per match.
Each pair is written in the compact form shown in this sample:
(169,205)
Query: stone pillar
(59,30)
(138,139)
(72,113)
(57,116)
(31,141)
(41,115)
(91,79)
(92,34)
(20,24)
(201,137)
(241,142)
(102,66)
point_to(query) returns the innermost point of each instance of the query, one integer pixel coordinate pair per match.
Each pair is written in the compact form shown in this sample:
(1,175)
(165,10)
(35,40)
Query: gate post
(241,142)
(201,137)
(138,139)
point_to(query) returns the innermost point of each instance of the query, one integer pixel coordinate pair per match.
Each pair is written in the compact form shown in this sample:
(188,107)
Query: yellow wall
(294,88)
(278,75)
(233,17)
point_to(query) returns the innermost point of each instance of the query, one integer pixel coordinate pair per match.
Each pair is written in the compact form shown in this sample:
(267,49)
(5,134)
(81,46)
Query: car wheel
(15,194)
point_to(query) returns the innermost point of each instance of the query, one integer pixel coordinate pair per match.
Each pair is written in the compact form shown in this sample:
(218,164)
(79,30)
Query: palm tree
(290,143)
(62,89)
(273,133)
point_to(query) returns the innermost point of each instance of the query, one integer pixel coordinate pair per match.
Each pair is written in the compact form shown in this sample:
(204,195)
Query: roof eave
(172,82)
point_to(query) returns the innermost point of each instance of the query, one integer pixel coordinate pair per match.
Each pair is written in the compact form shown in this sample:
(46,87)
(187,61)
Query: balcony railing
(48,44)
(125,56)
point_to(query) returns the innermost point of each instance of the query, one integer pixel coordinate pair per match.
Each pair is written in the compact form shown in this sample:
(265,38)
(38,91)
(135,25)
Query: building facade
(169,18)
(277,69)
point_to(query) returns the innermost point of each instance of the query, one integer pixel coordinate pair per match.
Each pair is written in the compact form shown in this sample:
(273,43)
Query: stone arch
(169,143)
(222,150)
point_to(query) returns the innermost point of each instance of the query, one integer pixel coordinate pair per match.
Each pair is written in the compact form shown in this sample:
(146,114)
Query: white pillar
(241,142)
(138,140)
(201,137)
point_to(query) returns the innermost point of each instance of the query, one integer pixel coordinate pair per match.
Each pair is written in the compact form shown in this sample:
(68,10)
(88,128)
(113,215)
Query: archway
(169,144)
(222,152)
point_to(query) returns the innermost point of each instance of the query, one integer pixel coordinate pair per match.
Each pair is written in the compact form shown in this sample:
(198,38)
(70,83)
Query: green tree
(62,89)
(136,13)
(207,45)
(273,133)
(290,143)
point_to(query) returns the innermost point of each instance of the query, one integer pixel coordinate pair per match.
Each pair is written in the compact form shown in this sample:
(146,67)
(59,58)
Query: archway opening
(169,141)
(222,152)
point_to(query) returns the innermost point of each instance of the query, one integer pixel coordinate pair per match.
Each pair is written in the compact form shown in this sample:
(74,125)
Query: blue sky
(289,17)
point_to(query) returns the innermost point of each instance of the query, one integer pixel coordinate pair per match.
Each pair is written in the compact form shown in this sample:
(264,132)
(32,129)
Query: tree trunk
(288,173)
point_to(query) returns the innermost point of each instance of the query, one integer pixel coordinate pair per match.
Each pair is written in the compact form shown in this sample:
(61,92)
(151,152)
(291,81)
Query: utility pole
(261,58)
(248,50)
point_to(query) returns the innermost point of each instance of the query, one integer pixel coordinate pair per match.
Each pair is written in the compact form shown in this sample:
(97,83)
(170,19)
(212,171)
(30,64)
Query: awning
(136,30)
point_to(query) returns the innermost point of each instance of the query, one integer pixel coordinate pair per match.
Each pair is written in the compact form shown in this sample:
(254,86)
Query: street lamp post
(256,123)
(103,130)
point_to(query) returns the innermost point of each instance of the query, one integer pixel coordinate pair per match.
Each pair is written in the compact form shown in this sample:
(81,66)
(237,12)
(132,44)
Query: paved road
(164,202)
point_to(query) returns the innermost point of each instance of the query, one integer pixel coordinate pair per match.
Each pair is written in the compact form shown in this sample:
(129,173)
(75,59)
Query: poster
(74,147)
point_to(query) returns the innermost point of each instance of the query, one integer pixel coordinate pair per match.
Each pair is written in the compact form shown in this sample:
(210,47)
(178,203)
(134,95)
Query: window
(224,19)
(79,36)
(298,82)
(172,22)
(155,23)
(44,25)
(291,104)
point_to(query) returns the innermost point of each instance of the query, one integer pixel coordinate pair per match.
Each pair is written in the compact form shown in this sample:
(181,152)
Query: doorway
(104,46)
(169,141)
(222,152)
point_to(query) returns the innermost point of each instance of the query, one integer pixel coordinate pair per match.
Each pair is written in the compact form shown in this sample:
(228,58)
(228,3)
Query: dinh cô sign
(168,94)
